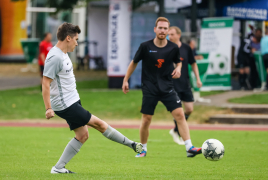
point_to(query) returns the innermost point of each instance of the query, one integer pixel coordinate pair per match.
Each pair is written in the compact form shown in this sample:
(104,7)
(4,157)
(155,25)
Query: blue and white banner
(250,10)
(119,38)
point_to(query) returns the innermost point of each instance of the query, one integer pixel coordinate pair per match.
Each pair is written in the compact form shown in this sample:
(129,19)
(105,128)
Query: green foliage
(209,93)
(30,153)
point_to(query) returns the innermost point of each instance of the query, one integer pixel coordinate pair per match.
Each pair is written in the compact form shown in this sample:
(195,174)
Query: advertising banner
(216,43)
(249,10)
(119,37)
(12,27)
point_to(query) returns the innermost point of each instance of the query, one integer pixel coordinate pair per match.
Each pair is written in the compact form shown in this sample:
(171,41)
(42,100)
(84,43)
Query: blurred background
(112,31)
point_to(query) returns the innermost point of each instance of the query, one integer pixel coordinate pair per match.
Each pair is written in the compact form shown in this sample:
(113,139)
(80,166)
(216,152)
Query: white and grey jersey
(59,67)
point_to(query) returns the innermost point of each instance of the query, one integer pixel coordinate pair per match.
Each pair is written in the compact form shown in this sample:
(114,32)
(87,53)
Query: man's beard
(161,37)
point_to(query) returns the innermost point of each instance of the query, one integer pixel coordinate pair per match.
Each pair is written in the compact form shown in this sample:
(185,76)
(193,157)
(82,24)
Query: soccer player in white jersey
(61,97)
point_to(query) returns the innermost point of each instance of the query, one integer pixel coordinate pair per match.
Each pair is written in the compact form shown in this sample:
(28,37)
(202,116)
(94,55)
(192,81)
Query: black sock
(176,126)
(246,79)
(241,80)
(266,82)
(186,116)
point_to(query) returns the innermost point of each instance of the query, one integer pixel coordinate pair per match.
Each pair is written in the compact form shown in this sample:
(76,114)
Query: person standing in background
(182,85)
(264,52)
(192,45)
(255,46)
(44,48)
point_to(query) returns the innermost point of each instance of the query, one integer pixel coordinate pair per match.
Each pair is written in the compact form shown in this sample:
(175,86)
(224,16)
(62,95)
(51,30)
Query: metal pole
(211,7)
(194,16)
(161,12)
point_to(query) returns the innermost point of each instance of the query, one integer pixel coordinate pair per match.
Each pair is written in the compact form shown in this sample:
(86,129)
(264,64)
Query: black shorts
(75,115)
(41,70)
(149,102)
(186,96)
(243,61)
(265,60)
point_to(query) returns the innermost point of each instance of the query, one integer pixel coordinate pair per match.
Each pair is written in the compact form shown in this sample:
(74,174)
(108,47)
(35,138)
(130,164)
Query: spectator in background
(255,46)
(243,58)
(192,44)
(256,39)
(44,48)
(264,52)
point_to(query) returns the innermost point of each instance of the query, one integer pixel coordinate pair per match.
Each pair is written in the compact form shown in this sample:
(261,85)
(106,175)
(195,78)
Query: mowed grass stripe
(29,153)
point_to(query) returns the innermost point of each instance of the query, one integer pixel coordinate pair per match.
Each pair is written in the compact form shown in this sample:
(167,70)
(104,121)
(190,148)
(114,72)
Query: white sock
(144,147)
(188,144)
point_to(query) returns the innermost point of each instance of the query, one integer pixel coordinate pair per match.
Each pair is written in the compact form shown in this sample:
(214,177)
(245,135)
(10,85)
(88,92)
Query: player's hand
(49,114)
(176,73)
(199,84)
(125,87)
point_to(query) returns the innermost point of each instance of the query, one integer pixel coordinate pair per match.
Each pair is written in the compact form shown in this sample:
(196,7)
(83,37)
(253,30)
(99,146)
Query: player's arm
(53,66)
(42,54)
(196,72)
(132,66)
(177,71)
(43,57)
(46,96)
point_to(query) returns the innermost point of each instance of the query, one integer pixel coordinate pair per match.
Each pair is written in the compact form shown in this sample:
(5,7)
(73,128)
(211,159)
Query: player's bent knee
(98,124)
(146,119)
(81,134)
(178,115)
(189,111)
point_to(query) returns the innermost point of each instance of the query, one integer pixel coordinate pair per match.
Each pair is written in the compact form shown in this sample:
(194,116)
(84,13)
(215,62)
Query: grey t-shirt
(59,67)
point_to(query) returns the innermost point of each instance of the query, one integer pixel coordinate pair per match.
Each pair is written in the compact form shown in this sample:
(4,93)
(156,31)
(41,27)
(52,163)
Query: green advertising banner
(216,43)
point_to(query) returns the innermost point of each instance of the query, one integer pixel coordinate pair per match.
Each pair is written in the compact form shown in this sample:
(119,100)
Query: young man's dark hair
(67,29)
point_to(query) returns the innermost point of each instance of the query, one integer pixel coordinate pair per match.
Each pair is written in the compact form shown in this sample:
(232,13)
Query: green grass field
(27,103)
(251,99)
(29,153)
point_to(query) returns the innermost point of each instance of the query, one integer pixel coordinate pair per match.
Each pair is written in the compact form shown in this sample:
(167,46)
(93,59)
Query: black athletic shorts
(149,102)
(41,70)
(243,61)
(265,60)
(75,115)
(186,96)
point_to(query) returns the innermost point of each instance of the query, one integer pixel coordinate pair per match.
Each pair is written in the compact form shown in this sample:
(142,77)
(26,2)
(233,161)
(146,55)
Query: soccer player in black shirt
(158,57)
(243,58)
(182,84)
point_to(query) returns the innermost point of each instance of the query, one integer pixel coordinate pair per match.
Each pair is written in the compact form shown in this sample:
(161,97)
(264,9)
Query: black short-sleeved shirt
(157,66)
(183,83)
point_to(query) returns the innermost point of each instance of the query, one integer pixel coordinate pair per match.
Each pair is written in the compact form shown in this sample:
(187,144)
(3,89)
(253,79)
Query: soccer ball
(219,64)
(213,149)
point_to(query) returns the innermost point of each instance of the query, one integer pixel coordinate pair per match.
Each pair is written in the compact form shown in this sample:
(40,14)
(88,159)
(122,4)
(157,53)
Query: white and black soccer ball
(219,64)
(213,149)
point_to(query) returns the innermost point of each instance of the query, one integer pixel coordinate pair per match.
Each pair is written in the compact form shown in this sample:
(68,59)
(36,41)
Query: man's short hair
(258,29)
(177,29)
(67,29)
(162,19)
(190,40)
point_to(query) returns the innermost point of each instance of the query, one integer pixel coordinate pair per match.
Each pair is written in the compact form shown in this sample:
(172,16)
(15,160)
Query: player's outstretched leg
(113,134)
(178,114)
